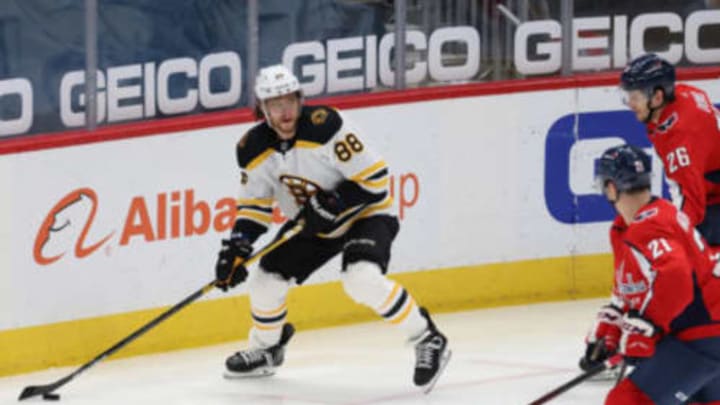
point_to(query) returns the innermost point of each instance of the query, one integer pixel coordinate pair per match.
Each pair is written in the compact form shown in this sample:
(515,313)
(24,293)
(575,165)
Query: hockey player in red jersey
(684,128)
(665,296)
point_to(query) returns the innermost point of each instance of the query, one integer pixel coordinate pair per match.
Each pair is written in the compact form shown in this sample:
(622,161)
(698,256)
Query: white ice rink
(508,355)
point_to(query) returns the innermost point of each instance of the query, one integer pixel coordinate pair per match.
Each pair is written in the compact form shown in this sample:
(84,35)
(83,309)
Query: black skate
(259,362)
(431,356)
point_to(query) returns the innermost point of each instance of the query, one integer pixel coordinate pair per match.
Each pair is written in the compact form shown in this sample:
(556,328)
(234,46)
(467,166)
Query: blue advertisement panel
(569,133)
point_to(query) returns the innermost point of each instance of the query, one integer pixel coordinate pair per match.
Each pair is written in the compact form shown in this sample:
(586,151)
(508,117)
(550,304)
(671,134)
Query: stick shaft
(609,363)
(39,390)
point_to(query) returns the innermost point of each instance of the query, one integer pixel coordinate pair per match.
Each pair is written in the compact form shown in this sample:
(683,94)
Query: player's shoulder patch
(659,211)
(651,222)
(668,123)
(318,124)
(646,214)
(254,145)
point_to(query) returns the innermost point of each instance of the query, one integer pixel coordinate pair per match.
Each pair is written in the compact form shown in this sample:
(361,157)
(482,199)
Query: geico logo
(570,156)
(68,223)
(602,42)
(322,68)
(17,95)
(141,90)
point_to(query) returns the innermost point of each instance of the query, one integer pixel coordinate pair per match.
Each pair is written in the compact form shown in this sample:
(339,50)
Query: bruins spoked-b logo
(302,189)
(319,116)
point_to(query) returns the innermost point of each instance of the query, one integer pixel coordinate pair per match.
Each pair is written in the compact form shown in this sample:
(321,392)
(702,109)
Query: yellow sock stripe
(390,299)
(369,170)
(273,312)
(406,312)
(263,326)
(265,322)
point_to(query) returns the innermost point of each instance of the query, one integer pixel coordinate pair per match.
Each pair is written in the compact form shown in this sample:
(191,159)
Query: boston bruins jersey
(326,153)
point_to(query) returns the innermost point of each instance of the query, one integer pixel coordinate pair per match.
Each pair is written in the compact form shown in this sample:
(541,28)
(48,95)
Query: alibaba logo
(68,222)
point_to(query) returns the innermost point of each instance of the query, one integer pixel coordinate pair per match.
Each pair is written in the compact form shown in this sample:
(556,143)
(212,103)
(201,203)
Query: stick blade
(35,390)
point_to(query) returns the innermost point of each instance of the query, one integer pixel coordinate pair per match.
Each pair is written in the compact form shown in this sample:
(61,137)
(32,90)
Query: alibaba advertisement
(165,216)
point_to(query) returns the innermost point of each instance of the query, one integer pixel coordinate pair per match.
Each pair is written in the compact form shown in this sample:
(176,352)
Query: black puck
(51,397)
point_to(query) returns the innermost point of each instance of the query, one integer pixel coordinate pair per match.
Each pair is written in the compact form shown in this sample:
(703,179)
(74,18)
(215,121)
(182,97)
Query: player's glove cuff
(639,336)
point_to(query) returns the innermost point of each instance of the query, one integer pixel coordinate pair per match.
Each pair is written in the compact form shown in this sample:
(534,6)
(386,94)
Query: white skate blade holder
(257,373)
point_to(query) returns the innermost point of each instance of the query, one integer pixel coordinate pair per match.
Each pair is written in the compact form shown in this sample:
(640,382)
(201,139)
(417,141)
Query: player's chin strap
(612,202)
(650,113)
(651,110)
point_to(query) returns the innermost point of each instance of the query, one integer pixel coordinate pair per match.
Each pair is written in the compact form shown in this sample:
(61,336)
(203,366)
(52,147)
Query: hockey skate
(259,362)
(431,355)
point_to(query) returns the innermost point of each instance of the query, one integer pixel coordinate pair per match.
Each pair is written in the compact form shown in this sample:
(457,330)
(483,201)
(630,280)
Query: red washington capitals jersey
(687,139)
(664,270)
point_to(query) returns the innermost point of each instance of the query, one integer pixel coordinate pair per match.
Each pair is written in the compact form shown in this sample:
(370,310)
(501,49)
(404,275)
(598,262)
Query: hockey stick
(606,365)
(621,374)
(47,390)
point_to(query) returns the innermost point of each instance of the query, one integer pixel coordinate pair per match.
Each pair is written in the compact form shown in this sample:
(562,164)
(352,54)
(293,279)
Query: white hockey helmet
(275,81)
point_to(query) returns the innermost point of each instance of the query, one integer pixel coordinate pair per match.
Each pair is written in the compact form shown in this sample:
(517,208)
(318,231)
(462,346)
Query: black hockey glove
(227,275)
(321,211)
(595,354)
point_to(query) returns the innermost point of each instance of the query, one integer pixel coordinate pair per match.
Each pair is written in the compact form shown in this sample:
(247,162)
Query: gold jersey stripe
(382,183)
(363,174)
(262,202)
(241,209)
(349,212)
(307,144)
(260,158)
(386,203)
(257,216)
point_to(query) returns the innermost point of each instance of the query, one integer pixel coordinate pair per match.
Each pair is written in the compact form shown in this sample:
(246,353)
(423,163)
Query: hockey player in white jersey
(311,162)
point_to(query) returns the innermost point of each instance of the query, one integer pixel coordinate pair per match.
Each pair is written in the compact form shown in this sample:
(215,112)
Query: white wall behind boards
(473,175)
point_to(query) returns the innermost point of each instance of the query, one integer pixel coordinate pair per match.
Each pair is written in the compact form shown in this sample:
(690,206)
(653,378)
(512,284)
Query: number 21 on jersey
(659,247)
